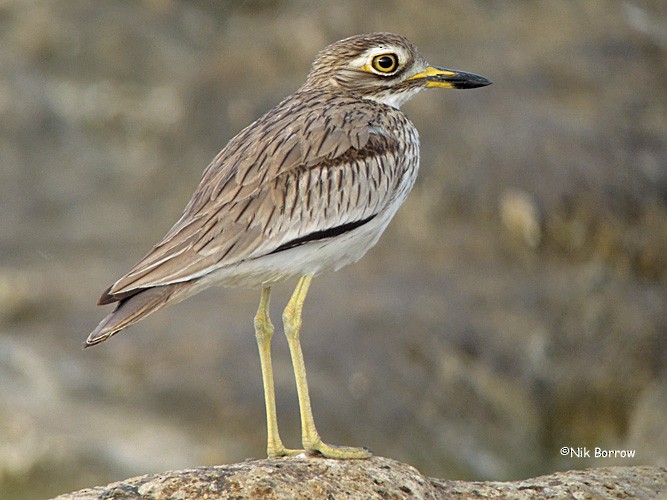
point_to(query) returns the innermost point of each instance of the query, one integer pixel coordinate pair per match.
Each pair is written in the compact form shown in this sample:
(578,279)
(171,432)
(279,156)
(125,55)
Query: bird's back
(316,166)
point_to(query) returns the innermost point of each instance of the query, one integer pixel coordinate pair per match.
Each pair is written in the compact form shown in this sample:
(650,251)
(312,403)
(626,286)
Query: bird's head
(383,67)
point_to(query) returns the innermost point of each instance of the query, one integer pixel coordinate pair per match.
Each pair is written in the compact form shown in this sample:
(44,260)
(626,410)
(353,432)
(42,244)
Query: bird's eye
(385,63)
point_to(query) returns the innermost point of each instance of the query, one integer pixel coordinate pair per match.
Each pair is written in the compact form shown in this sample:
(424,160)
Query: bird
(307,188)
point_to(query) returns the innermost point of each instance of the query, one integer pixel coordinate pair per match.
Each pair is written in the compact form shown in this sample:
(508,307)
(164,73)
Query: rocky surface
(515,306)
(300,477)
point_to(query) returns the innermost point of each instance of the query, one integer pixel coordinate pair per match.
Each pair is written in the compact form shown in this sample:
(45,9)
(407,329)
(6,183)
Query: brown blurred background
(516,304)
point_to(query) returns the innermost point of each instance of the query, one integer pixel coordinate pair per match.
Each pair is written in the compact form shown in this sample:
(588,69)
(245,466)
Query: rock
(521,216)
(307,477)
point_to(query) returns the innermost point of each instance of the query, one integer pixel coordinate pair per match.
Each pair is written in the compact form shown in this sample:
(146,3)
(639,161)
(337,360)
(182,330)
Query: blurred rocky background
(516,305)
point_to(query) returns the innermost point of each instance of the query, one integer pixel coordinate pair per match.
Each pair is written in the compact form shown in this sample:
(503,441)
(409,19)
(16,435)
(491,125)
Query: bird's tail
(136,307)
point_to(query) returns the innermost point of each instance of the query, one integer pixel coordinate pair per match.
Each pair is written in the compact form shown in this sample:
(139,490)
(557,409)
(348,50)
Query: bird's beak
(450,79)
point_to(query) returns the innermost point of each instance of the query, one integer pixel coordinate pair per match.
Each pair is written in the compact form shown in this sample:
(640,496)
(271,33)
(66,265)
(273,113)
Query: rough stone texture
(303,477)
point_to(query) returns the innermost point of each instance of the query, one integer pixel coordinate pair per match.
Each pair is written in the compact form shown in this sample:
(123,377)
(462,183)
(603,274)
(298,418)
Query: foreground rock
(303,477)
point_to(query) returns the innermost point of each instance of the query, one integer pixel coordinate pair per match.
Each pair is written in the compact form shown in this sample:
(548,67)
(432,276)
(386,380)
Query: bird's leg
(263,334)
(310,438)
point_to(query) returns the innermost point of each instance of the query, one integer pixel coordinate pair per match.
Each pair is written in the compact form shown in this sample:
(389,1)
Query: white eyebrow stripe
(367,56)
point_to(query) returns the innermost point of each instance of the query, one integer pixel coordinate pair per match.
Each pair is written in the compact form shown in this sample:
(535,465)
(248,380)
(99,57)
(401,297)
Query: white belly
(312,258)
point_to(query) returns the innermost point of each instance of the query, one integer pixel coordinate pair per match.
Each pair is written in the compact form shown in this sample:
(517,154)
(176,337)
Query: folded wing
(298,172)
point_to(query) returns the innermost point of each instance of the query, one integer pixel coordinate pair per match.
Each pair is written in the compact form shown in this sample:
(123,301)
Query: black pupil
(386,62)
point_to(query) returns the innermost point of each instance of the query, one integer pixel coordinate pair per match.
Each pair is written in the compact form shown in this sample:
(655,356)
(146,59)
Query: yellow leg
(263,334)
(310,438)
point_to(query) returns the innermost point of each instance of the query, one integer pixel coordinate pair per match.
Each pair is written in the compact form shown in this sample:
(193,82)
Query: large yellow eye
(385,63)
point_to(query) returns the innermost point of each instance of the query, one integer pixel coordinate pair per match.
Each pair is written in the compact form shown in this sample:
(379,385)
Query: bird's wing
(302,169)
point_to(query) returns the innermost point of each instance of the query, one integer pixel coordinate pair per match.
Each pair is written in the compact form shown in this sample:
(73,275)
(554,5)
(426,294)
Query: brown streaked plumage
(309,187)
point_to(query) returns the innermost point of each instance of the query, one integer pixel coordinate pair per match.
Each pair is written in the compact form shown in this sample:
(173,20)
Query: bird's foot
(338,452)
(281,451)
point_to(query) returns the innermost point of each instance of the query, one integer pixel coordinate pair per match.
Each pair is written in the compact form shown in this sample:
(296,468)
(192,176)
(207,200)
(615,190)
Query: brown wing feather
(249,196)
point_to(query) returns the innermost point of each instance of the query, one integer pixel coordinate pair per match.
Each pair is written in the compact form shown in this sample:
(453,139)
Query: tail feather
(136,307)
